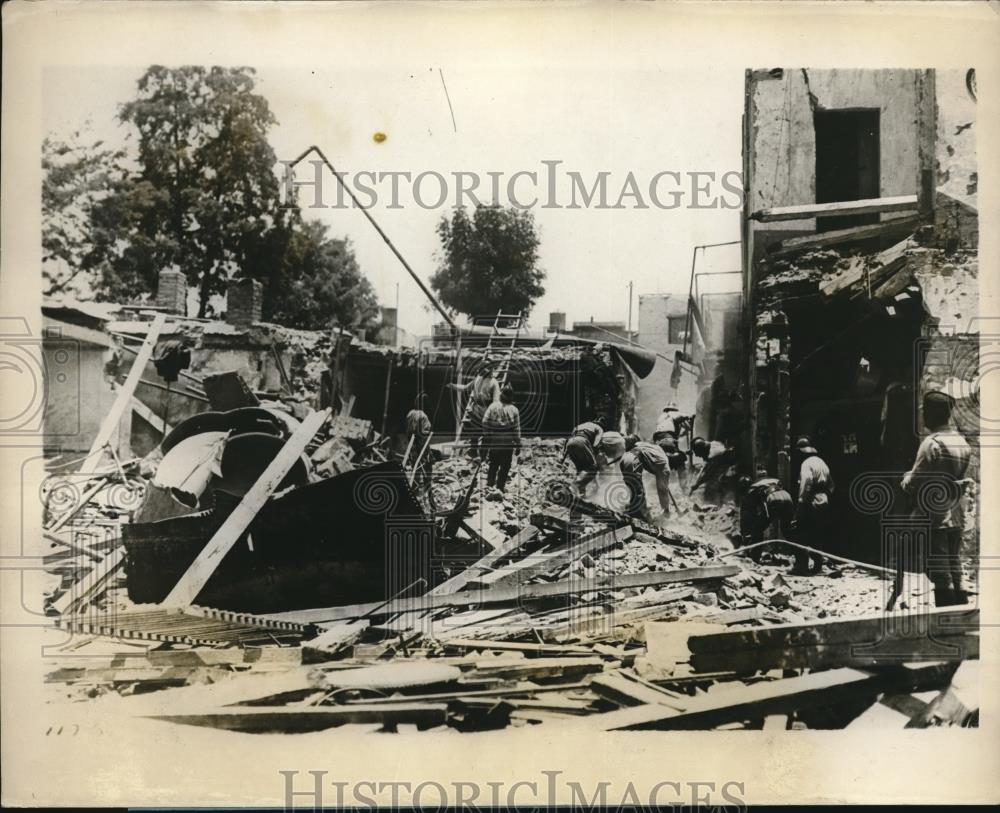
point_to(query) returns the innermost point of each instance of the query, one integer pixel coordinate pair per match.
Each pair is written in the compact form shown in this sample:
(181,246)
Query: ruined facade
(854,310)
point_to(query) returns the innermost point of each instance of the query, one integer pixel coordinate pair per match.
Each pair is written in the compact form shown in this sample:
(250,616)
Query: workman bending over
(581,449)
(641,456)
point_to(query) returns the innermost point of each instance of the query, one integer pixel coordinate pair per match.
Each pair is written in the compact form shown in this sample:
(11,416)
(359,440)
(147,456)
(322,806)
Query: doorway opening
(847,162)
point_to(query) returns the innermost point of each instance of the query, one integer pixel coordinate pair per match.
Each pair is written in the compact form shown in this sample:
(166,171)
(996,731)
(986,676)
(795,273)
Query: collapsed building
(860,254)
(276,537)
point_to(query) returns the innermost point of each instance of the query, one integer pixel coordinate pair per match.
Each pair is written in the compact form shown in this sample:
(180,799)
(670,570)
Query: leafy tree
(206,198)
(201,195)
(320,284)
(488,262)
(77,177)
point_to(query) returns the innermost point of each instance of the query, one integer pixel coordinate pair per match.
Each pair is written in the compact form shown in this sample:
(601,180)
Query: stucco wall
(783,137)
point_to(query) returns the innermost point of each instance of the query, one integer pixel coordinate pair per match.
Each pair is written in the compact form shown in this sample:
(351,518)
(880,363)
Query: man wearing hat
(581,448)
(485,390)
(943,456)
(665,424)
(641,456)
(812,517)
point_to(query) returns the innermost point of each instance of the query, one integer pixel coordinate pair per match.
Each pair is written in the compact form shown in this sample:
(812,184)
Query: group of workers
(768,511)
(592,446)
(767,508)
(494,425)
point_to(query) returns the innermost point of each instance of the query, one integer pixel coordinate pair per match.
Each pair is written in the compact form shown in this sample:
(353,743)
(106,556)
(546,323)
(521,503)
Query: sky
(634,118)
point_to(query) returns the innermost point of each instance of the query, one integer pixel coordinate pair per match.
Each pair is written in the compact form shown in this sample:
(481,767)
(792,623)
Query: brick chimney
(243,302)
(171,291)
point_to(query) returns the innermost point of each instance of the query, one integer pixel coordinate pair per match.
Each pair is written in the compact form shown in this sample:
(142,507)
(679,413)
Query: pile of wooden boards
(556,626)
(476,685)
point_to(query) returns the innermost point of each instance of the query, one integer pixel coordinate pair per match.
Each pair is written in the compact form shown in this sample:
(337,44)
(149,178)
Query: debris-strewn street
(573,615)
(758,510)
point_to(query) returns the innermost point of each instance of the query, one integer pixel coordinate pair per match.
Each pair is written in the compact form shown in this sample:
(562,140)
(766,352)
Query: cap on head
(613,446)
(804,445)
(937,408)
(671,407)
(700,446)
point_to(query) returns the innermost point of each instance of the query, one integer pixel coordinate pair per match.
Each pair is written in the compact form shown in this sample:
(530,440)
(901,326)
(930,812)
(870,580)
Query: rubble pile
(578,614)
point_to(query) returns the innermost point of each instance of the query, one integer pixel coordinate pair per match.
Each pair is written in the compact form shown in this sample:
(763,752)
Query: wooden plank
(889,652)
(534,668)
(204,565)
(298,719)
(150,417)
(840,236)
(901,203)
(514,595)
(518,646)
(850,630)
(124,397)
(626,692)
(594,543)
(524,688)
(746,702)
(521,539)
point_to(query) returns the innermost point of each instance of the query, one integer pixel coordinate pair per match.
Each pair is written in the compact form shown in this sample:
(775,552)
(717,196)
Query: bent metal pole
(382,234)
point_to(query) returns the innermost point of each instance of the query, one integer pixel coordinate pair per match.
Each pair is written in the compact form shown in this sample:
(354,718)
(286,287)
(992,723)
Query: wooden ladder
(504,368)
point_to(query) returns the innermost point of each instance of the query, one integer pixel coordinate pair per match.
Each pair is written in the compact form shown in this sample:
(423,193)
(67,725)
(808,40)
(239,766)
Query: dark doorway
(847,162)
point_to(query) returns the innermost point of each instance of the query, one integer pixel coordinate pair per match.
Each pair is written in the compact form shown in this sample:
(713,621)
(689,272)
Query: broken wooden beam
(759,700)
(555,560)
(943,622)
(206,562)
(883,639)
(506,595)
(900,203)
(837,237)
(299,719)
(625,692)
(124,397)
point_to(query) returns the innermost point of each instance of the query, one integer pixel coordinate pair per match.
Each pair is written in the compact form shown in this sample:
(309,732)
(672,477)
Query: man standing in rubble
(812,518)
(942,459)
(641,456)
(484,390)
(501,437)
(581,448)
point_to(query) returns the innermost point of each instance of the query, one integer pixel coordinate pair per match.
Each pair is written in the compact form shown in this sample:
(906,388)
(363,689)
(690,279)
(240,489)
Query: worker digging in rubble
(670,427)
(942,459)
(766,512)
(418,430)
(485,390)
(501,437)
(812,515)
(642,456)
(716,471)
(581,449)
